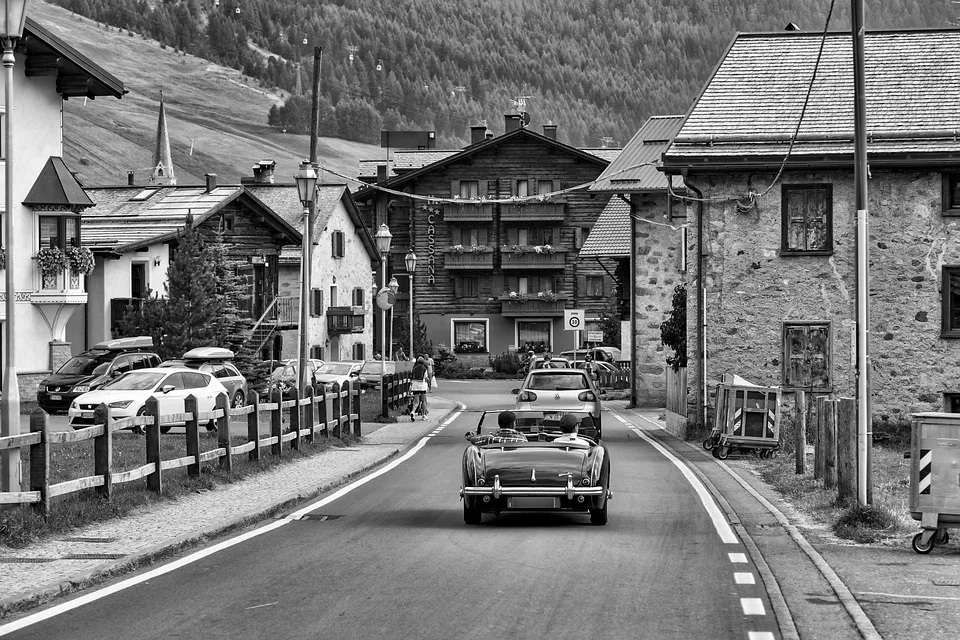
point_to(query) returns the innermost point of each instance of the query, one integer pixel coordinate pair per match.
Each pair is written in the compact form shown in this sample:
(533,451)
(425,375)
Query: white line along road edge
(54,611)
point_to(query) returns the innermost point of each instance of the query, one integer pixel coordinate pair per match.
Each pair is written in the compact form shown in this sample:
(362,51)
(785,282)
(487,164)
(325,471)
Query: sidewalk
(35,574)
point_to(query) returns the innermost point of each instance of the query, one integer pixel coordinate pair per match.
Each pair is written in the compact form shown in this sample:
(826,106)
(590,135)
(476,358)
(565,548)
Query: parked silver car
(215,361)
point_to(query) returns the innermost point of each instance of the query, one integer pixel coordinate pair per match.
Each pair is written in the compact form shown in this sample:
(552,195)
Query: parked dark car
(92,369)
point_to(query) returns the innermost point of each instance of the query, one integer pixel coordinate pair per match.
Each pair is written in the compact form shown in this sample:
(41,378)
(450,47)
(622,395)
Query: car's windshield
(135,381)
(557,381)
(80,365)
(336,368)
(285,371)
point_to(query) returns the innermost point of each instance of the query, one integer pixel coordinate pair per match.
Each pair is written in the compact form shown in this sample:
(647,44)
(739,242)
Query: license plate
(56,397)
(533,502)
(552,416)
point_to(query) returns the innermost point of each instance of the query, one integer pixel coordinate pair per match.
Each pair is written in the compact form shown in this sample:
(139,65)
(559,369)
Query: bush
(505,362)
(445,363)
(865,523)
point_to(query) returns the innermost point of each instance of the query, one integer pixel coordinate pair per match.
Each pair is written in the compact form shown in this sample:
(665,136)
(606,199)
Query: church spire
(162,161)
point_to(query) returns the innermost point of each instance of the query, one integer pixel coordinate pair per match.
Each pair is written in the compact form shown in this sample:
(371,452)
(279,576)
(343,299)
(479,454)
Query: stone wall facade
(752,290)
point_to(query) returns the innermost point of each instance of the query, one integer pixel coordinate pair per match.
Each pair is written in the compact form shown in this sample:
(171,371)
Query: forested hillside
(597,68)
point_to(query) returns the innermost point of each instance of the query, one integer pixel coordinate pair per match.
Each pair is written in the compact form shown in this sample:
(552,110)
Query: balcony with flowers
(524,256)
(521,304)
(60,275)
(473,257)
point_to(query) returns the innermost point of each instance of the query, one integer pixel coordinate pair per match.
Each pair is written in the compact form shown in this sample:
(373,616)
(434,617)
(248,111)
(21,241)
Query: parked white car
(343,372)
(127,395)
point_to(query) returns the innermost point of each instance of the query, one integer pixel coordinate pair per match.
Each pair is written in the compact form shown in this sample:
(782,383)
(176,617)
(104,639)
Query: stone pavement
(33,575)
(904,594)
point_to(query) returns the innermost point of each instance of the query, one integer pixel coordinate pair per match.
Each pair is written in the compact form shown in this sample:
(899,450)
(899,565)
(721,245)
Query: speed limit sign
(573,319)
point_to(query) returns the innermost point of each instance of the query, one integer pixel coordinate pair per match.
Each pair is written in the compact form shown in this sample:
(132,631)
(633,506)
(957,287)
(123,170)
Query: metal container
(934,477)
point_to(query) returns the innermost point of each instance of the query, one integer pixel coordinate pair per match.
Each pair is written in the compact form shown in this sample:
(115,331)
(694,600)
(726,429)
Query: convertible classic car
(502,473)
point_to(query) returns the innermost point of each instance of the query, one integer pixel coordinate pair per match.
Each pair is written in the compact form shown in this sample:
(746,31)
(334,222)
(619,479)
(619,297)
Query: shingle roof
(126,218)
(610,236)
(633,169)
(752,103)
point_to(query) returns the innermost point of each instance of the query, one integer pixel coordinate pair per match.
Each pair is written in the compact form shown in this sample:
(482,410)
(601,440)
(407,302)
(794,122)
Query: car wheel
(238,400)
(471,514)
(598,517)
(138,429)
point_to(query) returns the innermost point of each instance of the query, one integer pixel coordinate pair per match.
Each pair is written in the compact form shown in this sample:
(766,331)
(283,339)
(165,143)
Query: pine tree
(194,305)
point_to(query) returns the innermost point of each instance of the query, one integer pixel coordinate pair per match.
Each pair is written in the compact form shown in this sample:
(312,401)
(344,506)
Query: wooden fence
(677,391)
(834,442)
(394,391)
(331,413)
(614,380)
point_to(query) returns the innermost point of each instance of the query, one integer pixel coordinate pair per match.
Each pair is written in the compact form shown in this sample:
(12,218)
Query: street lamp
(383,238)
(306,179)
(411,261)
(11,28)
(394,286)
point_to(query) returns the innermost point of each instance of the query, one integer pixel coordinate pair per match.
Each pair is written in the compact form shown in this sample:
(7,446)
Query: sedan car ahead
(127,395)
(560,391)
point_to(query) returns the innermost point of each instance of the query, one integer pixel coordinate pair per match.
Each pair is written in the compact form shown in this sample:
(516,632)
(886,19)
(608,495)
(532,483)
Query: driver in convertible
(505,431)
(569,424)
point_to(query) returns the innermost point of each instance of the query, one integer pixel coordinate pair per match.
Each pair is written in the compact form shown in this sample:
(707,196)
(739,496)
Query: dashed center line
(744,578)
(752,607)
(737,558)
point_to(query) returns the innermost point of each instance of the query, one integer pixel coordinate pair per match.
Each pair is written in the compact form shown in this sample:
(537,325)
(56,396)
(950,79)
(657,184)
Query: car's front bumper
(55,403)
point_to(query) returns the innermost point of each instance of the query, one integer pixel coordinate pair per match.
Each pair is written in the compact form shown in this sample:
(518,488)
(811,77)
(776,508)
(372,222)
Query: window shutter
(492,188)
(497,284)
(513,284)
(512,235)
(577,237)
(456,235)
(607,286)
(485,286)
(482,236)
(581,286)
(458,287)
(454,188)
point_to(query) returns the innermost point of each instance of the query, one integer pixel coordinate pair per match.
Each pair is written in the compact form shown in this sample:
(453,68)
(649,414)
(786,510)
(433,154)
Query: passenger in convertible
(569,425)
(505,431)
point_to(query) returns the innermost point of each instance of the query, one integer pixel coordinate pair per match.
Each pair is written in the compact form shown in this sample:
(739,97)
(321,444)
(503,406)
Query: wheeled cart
(747,419)
(934,477)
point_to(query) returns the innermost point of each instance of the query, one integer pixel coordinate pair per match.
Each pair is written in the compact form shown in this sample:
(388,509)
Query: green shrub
(445,363)
(865,523)
(505,362)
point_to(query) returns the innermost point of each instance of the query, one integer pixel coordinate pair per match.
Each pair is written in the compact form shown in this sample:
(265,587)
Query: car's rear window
(561,381)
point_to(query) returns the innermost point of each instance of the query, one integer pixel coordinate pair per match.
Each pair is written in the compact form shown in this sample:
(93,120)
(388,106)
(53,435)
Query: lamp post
(394,286)
(411,261)
(383,238)
(11,28)
(306,179)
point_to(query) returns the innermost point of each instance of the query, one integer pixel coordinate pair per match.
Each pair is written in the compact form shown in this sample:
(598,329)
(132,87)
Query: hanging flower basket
(478,248)
(80,260)
(51,261)
(547,296)
(457,248)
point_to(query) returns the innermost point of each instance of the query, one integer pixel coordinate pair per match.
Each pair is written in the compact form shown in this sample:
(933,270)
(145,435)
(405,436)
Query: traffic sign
(386,298)
(573,319)
(594,336)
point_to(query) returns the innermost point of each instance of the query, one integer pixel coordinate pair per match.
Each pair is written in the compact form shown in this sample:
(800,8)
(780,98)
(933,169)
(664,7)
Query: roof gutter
(633,302)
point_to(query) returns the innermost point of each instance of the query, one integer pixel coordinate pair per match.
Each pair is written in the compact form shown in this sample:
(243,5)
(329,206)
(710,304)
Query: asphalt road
(392,558)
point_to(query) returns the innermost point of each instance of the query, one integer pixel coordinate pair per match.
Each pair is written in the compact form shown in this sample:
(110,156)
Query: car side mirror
(167,388)
(603,392)
(514,390)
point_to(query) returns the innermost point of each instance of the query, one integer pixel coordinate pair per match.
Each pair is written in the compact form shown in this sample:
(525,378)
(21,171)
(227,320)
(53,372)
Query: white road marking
(54,611)
(752,607)
(744,578)
(760,635)
(904,595)
(719,521)
(258,606)
(737,558)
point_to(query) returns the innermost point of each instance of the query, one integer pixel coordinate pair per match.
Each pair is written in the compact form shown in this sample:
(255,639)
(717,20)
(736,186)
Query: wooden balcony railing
(345,319)
(532,211)
(468,213)
(531,259)
(468,259)
(533,306)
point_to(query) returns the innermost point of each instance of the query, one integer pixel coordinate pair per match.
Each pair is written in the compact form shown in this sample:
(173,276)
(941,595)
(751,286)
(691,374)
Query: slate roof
(57,187)
(127,218)
(633,169)
(610,236)
(284,199)
(751,105)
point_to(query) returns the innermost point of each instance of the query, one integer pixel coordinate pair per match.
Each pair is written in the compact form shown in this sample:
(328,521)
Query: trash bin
(934,477)
(747,419)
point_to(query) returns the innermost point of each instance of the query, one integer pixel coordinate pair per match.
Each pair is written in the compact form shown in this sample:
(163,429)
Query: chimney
(512,122)
(550,131)
(263,172)
(478,133)
(211,179)
(381,173)
(130,181)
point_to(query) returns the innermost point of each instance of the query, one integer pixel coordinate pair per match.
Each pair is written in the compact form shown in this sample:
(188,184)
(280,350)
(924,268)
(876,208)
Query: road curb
(156,553)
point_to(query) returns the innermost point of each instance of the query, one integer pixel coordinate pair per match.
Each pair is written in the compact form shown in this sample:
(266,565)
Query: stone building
(772,244)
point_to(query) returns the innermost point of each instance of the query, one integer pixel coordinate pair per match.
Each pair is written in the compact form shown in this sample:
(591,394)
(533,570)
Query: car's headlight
(81,388)
(74,406)
(42,388)
(120,404)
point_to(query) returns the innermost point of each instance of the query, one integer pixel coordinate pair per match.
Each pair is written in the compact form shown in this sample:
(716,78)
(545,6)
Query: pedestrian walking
(418,386)
(431,375)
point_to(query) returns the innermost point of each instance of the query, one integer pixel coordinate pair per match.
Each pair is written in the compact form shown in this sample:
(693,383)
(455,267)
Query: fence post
(223,432)
(193,435)
(296,415)
(384,398)
(823,408)
(830,447)
(308,411)
(152,431)
(102,450)
(337,409)
(847,449)
(322,411)
(800,435)
(276,422)
(355,405)
(253,426)
(40,461)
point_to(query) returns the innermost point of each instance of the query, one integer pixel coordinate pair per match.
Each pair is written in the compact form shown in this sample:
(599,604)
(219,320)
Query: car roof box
(120,344)
(209,353)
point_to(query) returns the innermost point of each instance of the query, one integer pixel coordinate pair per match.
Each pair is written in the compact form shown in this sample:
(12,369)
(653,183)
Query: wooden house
(496,228)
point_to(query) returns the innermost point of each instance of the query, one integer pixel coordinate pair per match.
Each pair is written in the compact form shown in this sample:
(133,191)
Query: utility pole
(864,416)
